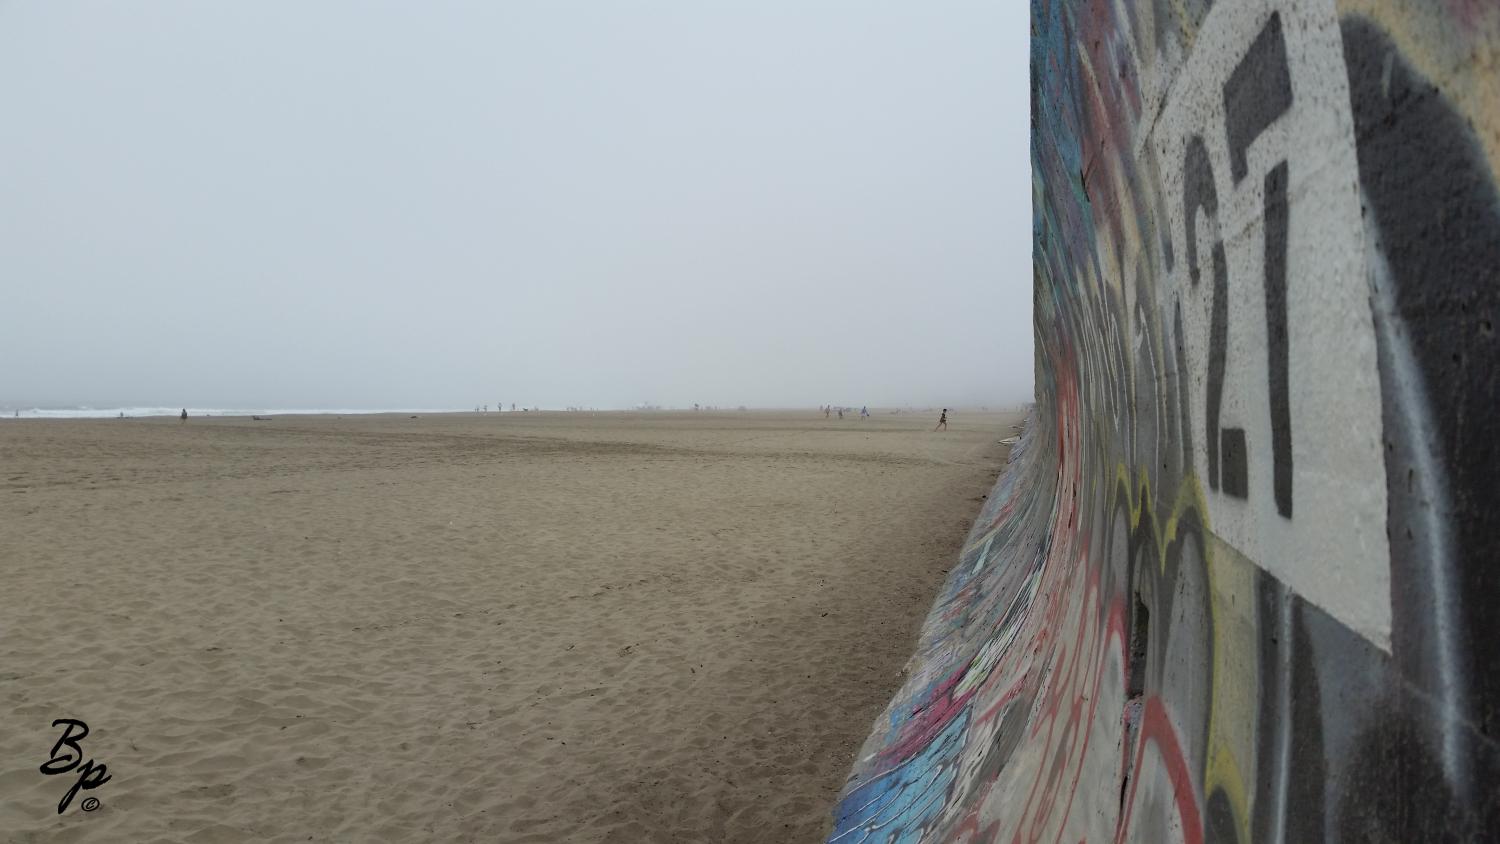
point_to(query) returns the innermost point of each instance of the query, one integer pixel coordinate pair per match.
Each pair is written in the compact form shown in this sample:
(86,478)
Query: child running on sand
(942,424)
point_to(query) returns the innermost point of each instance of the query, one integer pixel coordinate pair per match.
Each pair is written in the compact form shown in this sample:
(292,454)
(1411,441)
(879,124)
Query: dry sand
(517,627)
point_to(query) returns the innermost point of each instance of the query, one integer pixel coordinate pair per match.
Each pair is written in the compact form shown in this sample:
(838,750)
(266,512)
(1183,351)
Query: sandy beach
(513,627)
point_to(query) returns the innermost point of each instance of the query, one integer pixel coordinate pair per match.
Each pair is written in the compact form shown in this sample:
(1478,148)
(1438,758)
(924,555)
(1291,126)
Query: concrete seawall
(1237,583)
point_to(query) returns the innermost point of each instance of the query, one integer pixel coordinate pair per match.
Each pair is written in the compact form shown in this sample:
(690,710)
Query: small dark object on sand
(261,418)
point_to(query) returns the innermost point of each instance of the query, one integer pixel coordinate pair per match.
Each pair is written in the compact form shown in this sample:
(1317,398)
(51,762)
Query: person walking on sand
(864,413)
(942,424)
(183,417)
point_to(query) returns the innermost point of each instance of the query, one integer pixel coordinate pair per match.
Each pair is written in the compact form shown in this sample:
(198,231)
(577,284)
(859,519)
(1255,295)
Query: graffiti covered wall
(1236,584)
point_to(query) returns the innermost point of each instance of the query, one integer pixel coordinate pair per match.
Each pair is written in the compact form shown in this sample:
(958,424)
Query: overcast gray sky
(442,204)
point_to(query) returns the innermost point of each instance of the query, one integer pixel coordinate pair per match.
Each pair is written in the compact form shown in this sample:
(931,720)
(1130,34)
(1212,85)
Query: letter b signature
(67,756)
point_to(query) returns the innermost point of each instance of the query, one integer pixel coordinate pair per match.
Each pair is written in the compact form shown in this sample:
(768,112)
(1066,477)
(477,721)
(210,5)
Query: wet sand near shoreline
(611,627)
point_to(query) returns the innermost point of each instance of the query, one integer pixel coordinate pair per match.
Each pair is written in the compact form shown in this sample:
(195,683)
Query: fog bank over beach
(343,204)
(134,412)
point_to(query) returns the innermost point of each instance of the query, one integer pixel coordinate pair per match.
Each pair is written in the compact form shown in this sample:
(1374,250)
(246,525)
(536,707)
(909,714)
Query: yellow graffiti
(1235,666)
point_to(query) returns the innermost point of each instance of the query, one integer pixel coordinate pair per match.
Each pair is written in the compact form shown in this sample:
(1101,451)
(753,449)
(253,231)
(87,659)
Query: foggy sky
(442,204)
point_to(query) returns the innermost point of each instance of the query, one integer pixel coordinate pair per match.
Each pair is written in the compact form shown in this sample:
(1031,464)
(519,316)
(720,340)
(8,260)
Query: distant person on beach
(841,413)
(864,413)
(942,424)
(826,411)
(183,417)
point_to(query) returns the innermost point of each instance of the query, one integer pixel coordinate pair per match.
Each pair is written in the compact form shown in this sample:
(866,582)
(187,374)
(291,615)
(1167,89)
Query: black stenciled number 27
(1257,92)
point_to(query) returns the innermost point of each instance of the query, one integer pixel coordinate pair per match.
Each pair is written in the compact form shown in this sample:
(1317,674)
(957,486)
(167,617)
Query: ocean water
(137,412)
